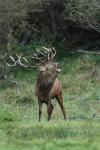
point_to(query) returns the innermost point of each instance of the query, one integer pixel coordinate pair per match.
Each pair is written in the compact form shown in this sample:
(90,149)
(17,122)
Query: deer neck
(45,83)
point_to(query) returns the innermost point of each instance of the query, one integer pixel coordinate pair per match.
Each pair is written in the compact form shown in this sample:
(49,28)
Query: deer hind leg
(60,101)
(49,110)
(40,109)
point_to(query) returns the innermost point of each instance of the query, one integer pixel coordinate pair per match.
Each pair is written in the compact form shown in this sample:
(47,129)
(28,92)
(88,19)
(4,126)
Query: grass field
(19,126)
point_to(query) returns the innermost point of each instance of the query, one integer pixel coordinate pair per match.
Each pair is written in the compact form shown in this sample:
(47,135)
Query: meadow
(19,126)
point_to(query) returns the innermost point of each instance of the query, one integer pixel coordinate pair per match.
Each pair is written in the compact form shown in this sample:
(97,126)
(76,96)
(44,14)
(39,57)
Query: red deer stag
(47,86)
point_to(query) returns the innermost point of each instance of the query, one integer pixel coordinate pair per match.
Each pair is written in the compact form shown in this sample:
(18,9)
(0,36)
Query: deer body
(47,86)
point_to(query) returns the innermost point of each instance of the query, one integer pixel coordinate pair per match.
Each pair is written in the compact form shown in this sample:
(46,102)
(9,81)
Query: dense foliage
(65,24)
(58,20)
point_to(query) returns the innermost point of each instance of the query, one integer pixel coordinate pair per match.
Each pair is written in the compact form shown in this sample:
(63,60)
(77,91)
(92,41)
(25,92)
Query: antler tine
(12,59)
(17,55)
(25,59)
(45,48)
(36,57)
(53,53)
(41,53)
(19,61)
(49,51)
(29,65)
(12,65)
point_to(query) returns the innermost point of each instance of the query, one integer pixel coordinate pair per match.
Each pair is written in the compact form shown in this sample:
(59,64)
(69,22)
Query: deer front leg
(40,109)
(49,109)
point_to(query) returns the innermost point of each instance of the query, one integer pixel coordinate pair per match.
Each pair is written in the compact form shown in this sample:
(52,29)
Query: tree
(11,13)
(84,13)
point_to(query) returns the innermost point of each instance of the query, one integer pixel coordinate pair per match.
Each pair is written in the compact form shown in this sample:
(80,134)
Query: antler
(43,56)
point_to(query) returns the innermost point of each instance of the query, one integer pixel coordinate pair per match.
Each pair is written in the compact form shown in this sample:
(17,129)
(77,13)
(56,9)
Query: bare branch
(86,52)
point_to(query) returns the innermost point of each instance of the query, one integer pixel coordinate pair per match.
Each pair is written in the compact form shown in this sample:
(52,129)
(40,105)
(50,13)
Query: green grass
(19,126)
(56,134)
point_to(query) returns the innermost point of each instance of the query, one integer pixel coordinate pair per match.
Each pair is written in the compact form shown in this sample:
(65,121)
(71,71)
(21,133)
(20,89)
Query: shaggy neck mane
(45,82)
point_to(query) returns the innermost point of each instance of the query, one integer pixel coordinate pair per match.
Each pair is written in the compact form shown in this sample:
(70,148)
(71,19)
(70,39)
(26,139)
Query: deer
(48,86)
